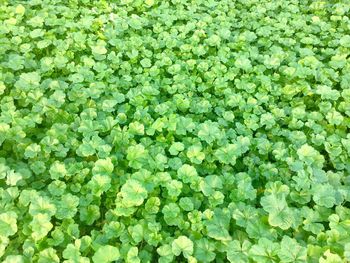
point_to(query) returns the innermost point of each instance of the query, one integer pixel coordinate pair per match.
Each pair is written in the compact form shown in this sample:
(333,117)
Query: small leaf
(182,245)
(106,254)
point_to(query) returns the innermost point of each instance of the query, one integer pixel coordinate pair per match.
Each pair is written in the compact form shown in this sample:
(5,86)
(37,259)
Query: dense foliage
(175,131)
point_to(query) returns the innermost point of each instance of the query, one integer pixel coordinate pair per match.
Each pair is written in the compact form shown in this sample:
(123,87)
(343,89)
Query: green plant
(174,131)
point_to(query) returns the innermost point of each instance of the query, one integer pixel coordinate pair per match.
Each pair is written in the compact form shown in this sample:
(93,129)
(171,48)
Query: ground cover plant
(174,131)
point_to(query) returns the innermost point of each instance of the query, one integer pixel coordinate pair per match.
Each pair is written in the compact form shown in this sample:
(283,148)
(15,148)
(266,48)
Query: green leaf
(99,49)
(133,193)
(67,207)
(186,204)
(195,154)
(183,245)
(328,256)
(57,170)
(218,226)
(136,128)
(48,255)
(208,131)
(324,195)
(309,155)
(146,63)
(99,184)
(71,252)
(204,250)
(32,150)
(136,233)
(89,214)
(8,224)
(228,154)
(243,63)
(103,167)
(137,156)
(347,251)
(291,251)
(344,41)
(14,259)
(166,254)
(187,173)
(41,205)
(40,226)
(238,251)
(172,214)
(106,254)
(176,147)
(279,213)
(265,251)
(132,255)
(13,178)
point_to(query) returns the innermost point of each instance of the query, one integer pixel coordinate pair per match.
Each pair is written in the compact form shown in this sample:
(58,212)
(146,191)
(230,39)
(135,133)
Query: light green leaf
(40,226)
(265,251)
(133,193)
(48,256)
(103,167)
(187,173)
(106,254)
(324,195)
(279,213)
(291,251)
(218,226)
(238,251)
(182,245)
(8,224)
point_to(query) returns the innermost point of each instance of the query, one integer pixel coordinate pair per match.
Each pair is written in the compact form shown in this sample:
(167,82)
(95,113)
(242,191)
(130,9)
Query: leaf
(99,184)
(172,214)
(132,255)
(48,255)
(106,254)
(347,251)
(195,154)
(218,226)
(89,214)
(243,63)
(324,195)
(8,224)
(279,213)
(32,150)
(103,167)
(133,193)
(67,207)
(57,170)
(40,226)
(208,131)
(99,49)
(136,155)
(238,251)
(182,245)
(291,251)
(176,147)
(166,254)
(13,178)
(146,125)
(328,256)
(136,233)
(187,173)
(20,9)
(204,250)
(41,205)
(265,251)
(228,154)
(146,63)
